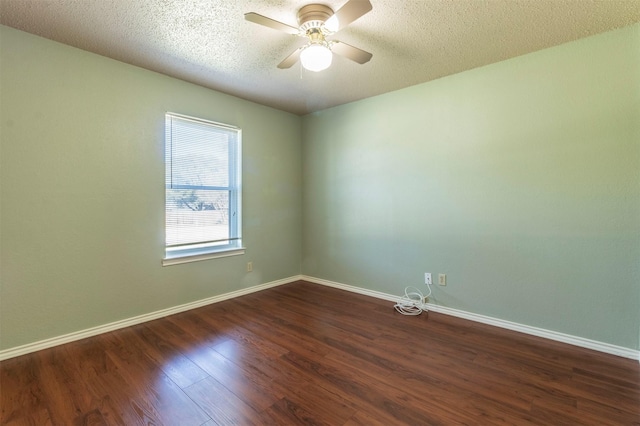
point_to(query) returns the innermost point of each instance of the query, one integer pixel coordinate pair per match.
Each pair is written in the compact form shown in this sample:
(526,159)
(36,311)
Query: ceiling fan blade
(350,52)
(271,23)
(349,12)
(291,59)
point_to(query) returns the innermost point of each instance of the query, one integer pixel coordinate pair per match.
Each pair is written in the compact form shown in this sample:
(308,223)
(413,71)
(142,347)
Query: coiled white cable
(413,302)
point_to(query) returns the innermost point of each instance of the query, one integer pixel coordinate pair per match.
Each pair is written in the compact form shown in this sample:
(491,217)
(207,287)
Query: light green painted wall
(519,180)
(82,191)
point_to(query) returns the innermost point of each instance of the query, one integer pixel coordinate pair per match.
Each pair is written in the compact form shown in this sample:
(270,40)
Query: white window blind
(202,182)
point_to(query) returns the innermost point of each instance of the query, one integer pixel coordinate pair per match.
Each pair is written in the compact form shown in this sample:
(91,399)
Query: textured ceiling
(209,43)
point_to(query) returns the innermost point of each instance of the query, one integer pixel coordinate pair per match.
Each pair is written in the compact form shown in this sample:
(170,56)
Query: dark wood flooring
(308,354)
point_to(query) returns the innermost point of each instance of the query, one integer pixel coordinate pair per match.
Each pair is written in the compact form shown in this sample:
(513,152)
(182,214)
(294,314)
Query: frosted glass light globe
(316,57)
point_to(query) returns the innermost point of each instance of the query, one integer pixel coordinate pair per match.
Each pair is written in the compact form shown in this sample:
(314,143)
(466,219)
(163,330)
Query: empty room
(349,212)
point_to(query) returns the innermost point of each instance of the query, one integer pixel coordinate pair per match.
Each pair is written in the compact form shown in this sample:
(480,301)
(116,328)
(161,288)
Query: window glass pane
(196,216)
(202,181)
(199,154)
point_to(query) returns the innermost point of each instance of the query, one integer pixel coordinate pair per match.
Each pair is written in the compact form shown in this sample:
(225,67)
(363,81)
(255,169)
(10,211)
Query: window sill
(203,256)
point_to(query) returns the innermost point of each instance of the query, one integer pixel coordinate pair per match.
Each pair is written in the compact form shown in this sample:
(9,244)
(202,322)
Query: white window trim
(168,261)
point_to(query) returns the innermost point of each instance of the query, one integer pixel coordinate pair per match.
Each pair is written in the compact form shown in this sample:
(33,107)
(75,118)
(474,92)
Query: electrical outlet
(249,266)
(442,279)
(427,278)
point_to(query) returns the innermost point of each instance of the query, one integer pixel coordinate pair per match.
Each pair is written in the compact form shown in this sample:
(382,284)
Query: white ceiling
(209,43)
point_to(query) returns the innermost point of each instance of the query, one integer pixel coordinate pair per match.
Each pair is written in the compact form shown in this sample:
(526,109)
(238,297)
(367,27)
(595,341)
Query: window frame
(208,250)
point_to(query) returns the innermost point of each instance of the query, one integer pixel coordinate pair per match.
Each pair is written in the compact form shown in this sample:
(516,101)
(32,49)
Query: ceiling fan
(316,22)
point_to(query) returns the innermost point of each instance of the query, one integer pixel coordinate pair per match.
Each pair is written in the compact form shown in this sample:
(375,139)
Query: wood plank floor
(308,354)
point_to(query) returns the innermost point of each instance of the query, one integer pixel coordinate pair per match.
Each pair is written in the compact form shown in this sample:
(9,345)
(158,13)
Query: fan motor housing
(313,16)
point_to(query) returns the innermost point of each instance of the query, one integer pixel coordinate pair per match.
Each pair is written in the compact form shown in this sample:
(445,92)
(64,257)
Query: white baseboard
(534,331)
(548,334)
(83,334)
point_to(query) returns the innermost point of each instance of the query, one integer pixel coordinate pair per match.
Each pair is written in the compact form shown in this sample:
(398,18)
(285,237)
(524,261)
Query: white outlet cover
(442,279)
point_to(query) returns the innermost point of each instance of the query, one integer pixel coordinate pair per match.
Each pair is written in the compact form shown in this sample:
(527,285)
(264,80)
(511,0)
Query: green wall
(519,180)
(82,191)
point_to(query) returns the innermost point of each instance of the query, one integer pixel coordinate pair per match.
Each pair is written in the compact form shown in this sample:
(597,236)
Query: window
(202,195)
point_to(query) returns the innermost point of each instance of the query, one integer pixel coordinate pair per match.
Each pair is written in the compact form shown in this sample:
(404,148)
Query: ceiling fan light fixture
(315,23)
(316,57)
